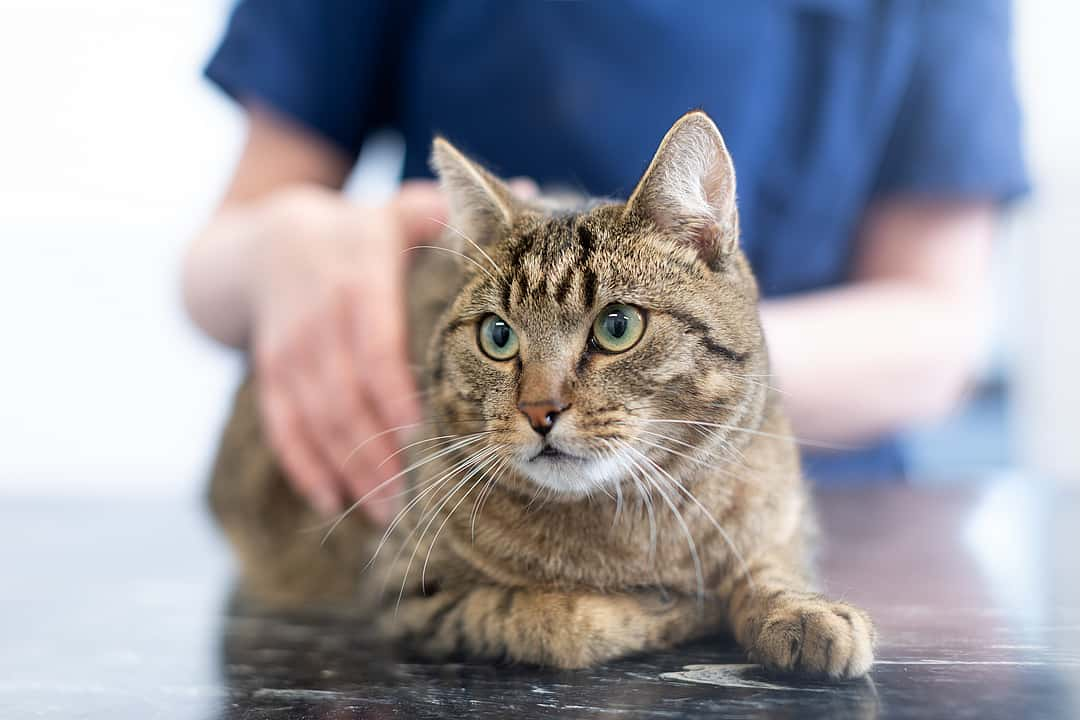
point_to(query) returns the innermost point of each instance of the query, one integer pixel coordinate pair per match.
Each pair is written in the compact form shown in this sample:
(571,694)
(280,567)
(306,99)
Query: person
(875,144)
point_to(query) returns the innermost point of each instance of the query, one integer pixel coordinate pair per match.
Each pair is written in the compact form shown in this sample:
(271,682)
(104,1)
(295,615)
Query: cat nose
(542,414)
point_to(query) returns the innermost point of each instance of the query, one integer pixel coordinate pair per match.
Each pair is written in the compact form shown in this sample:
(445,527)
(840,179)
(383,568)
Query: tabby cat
(604,469)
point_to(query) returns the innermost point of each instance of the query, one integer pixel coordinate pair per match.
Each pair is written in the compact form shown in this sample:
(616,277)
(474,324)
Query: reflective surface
(121,610)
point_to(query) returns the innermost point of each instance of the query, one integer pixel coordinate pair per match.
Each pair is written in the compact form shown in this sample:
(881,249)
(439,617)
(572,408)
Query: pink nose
(542,414)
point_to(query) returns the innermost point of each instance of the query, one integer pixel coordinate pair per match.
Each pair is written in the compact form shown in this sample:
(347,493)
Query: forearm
(282,172)
(870,358)
(217,272)
(902,341)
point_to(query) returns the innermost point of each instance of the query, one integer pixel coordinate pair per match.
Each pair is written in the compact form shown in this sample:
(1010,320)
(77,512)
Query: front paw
(816,636)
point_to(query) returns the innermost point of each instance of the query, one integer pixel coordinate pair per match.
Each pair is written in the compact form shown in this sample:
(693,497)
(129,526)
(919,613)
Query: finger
(327,411)
(384,362)
(303,466)
(394,395)
(353,449)
(421,210)
(387,394)
(372,471)
(357,439)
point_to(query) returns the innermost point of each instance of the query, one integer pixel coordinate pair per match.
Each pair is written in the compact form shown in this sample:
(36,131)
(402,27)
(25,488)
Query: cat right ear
(688,190)
(480,204)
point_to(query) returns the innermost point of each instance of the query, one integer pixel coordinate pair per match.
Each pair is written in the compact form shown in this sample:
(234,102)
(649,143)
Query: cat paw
(815,636)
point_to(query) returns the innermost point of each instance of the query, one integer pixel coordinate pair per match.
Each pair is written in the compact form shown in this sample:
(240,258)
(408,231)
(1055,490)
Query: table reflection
(121,610)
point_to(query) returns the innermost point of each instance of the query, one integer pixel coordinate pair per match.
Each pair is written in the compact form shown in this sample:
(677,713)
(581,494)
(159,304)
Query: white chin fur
(573,478)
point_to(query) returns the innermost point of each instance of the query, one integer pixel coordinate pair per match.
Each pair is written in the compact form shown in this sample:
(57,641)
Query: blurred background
(113,150)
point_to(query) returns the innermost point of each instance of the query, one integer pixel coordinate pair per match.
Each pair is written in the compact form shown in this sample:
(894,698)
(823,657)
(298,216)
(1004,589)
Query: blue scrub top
(826,105)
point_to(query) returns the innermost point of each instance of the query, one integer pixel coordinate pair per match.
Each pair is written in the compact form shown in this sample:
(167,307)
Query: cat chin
(572,477)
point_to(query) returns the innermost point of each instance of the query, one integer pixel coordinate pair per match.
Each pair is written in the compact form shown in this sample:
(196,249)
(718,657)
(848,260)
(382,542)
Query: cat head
(589,344)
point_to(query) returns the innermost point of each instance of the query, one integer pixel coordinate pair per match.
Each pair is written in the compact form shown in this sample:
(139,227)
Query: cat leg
(787,627)
(559,629)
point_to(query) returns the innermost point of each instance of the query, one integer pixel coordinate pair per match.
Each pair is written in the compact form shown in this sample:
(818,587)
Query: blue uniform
(826,105)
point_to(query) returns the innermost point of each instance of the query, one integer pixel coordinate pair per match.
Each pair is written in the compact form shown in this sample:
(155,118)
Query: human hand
(328,339)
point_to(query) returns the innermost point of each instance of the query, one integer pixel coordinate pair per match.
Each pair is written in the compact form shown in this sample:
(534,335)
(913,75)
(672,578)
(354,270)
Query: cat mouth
(550,452)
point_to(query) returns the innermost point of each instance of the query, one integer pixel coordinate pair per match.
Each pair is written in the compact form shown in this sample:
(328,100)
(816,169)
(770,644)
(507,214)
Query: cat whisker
(691,458)
(487,464)
(752,378)
(605,491)
(734,450)
(696,461)
(484,500)
(440,439)
(469,240)
(618,504)
(468,440)
(407,492)
(760,433)
(482,496)
(374,437)
(408,426)
(705,511)
(453,252)
(643,495)
(472,469)
(431,487)
(655,482)
(534,498)
(650,512)
(540,491)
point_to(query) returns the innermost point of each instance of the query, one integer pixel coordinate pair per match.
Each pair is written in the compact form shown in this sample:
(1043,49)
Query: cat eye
(497,339)
(618,328)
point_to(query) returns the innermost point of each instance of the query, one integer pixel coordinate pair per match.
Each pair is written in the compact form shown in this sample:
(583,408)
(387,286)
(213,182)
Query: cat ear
(480,203)
(688,190)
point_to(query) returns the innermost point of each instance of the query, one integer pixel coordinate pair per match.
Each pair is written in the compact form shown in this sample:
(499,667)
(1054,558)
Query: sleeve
(327,64)
(957,132)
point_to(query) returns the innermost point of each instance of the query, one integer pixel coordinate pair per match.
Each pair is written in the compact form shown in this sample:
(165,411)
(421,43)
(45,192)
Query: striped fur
(564,564)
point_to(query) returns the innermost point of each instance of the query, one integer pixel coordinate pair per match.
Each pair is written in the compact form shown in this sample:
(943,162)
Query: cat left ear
(688,190)
(480,203)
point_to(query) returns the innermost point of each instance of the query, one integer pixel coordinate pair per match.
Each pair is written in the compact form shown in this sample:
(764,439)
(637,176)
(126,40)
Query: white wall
(112,151)
(1048,241)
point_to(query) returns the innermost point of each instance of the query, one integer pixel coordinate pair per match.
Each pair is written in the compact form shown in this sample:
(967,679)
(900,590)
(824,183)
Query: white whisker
(467,441)
(618,504)
(482,496)
(452,252)
(705,511)
(433,514)
(698,572)
(491,460)
(431,487)
(644,495)
(760,433)
(469,240)
(440,439)
(691,458)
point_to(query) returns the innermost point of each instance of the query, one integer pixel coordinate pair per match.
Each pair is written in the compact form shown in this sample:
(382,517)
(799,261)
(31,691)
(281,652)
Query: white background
(113,150)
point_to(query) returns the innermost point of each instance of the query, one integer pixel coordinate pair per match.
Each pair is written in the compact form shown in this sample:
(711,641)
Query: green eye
(497,339)
(618,327)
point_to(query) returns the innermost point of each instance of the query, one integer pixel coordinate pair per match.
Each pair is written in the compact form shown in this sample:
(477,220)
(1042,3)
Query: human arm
(902,341)
(311,285)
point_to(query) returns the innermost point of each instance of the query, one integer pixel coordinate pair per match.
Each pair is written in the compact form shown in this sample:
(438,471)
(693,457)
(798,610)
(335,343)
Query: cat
(604,471)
